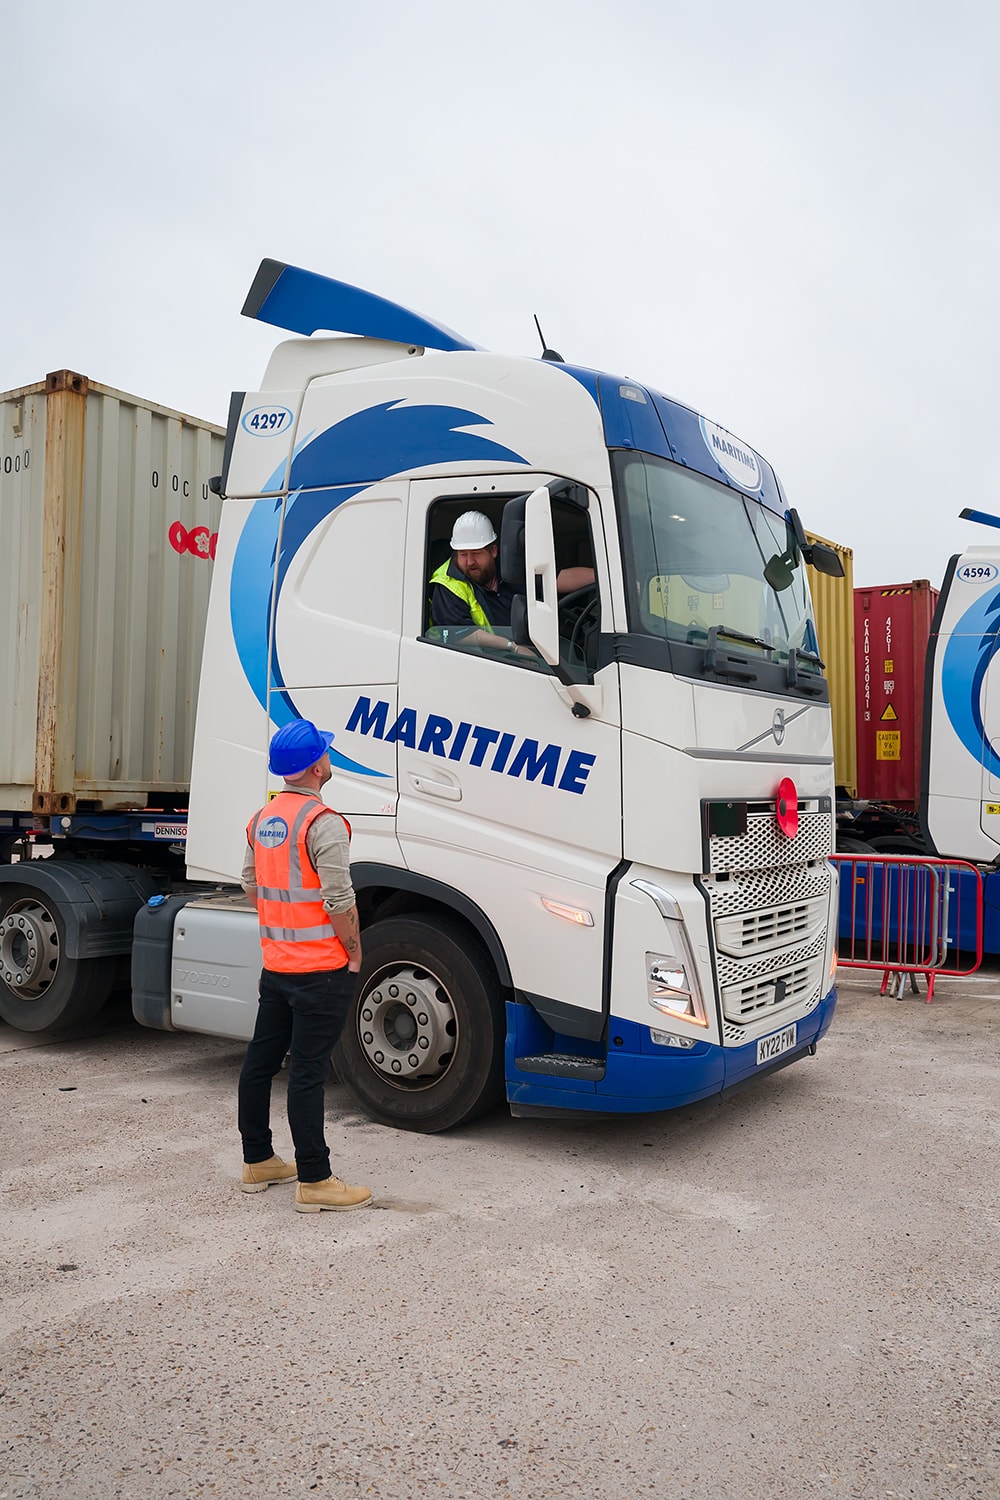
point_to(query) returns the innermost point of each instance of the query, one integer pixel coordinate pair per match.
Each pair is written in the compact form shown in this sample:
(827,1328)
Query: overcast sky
(786,215)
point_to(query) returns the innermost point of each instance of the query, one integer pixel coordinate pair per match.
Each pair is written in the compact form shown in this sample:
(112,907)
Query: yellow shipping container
(833,602)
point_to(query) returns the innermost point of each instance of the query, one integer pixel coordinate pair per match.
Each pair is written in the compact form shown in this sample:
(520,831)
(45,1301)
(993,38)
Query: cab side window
(471,607)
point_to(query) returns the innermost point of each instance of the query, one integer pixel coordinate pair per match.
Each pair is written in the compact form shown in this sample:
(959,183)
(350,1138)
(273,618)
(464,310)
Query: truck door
(504,793)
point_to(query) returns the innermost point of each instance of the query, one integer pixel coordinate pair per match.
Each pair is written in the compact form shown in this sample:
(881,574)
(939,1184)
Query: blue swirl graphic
(974,642)
(361,450)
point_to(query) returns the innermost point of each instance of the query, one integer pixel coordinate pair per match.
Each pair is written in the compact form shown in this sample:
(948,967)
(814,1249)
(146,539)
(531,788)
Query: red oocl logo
(199,541)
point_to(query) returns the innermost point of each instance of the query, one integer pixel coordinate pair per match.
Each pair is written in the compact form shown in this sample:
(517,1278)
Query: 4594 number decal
(265,421)
(977,573)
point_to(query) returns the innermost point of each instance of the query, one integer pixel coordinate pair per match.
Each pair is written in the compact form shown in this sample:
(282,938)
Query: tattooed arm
(345,925)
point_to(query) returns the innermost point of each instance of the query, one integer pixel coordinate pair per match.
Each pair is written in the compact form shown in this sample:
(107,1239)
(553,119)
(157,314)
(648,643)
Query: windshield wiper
(727,663)
(803,683)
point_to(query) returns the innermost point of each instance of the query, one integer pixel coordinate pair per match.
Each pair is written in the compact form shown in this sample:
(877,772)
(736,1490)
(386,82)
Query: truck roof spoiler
(303,302)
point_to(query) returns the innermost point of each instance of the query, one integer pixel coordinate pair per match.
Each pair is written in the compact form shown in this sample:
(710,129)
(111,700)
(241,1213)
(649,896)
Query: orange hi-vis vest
(296,934)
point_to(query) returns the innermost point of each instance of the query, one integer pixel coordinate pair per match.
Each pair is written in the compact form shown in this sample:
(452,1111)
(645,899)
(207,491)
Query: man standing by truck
(297,871)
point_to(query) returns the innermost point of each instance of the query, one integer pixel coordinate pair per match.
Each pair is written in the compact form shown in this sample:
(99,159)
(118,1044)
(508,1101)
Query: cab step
(561,1065)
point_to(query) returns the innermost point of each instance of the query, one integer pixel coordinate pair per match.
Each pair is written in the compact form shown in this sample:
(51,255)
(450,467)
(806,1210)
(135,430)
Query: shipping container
(892,626)
(833,603)
(107,534)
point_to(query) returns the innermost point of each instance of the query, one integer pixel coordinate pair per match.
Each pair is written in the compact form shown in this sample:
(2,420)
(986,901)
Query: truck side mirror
(825,560)
(779,571)
(512,545)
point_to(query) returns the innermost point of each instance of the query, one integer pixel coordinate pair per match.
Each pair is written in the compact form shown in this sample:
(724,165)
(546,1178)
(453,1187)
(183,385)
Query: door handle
(430,785)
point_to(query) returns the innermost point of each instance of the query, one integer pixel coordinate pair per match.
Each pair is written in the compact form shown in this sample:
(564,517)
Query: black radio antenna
(547,353)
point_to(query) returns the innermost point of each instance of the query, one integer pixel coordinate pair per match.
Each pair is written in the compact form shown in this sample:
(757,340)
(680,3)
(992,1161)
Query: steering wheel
(587,599)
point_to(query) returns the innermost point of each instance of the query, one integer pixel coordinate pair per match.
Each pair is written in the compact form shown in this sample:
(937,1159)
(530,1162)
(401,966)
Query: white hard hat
(471,531)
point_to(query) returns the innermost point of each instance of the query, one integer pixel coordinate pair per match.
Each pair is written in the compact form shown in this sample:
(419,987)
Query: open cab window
(448,621)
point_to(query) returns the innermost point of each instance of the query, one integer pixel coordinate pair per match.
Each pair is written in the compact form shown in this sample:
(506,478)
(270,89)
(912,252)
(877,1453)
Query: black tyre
(39,985)
(422,1048)
(897,844)
(854,846)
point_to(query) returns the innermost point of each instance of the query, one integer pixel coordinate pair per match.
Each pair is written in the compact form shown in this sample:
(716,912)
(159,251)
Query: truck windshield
(701,555)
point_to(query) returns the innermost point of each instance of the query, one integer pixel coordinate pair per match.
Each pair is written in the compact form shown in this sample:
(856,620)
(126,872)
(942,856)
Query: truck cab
(593,873)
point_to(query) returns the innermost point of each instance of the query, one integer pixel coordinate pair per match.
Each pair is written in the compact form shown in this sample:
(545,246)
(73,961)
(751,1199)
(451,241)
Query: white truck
(593,875)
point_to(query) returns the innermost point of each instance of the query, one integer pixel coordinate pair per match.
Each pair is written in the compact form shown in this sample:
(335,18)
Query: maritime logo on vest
(271,832)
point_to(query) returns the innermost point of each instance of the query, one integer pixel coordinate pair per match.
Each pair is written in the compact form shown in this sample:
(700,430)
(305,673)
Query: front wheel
(422,1046)
(39,985)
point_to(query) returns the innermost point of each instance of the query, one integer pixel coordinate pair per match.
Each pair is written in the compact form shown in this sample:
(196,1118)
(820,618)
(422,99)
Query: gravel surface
(792,1293)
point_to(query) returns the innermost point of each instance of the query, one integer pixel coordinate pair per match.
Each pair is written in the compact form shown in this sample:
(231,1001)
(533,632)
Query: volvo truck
(593,874)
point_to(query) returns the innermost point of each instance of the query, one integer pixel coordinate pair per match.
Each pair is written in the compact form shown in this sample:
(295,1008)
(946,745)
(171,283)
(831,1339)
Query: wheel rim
(407,1026)
(29,949)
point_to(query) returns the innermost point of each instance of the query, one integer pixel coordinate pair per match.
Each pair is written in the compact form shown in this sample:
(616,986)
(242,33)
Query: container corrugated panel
(892,626)
(107,528)
(833,603)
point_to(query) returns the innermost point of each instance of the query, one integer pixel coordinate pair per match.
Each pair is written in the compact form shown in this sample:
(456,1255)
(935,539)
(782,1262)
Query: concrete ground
(793,1293)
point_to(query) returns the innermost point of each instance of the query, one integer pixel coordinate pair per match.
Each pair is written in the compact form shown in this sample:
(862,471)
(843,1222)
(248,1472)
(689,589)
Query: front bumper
(642,1077)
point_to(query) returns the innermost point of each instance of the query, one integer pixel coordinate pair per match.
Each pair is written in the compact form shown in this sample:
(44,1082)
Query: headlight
(672,987)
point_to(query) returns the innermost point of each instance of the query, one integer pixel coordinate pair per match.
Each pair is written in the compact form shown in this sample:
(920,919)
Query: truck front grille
(769,930)
(765,847)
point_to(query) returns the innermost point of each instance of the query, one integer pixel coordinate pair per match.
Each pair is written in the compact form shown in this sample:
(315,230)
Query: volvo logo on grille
(778,725)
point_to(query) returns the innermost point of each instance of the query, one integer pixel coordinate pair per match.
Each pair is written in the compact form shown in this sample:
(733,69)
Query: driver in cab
(468,592)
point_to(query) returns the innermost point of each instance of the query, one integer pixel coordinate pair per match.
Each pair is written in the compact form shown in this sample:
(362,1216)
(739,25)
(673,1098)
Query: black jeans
(300,1014)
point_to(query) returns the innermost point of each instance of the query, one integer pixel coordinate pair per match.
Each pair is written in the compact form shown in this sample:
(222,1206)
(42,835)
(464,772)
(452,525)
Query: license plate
(774,1045)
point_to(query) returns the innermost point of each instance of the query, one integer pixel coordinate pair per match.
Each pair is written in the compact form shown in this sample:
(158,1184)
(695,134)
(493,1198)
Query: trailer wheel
(422,1046)
(39,985)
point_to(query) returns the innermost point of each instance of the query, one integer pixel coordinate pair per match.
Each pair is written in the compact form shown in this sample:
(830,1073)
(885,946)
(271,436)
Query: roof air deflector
(304,302)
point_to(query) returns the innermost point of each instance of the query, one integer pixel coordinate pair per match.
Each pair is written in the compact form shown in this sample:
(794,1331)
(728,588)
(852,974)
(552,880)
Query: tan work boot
(313,1197)
(258,1175)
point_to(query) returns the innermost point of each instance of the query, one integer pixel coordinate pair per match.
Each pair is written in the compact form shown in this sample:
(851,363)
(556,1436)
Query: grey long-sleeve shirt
(330,851)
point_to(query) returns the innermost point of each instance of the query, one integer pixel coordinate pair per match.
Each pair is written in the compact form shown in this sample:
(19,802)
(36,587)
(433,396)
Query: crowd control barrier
(909,915)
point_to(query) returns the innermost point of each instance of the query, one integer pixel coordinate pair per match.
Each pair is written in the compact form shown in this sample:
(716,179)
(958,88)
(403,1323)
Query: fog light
(667,1039)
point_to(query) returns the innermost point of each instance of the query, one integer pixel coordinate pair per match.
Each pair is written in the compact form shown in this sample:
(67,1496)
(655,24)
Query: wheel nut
(380,1057)
(413,1061)
(422,1019)
(397,1066)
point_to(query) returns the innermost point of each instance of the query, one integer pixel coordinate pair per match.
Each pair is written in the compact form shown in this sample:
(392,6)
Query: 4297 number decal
(266,421)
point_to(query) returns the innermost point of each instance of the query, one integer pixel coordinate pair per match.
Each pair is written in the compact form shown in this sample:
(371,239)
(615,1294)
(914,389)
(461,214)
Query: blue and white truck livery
(593,876)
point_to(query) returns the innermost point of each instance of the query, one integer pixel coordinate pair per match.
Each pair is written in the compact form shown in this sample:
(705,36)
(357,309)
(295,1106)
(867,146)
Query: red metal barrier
(912,915)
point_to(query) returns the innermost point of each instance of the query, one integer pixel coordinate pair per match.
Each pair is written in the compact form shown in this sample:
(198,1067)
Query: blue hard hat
(296,747)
